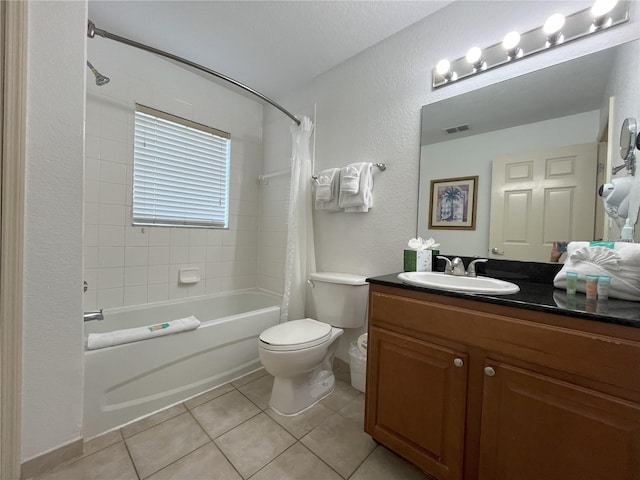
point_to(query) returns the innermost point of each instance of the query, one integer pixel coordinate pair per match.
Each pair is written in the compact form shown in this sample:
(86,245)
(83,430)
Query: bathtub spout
(97,315)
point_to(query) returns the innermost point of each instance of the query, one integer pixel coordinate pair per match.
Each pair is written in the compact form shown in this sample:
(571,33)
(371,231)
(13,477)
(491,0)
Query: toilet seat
(295,335)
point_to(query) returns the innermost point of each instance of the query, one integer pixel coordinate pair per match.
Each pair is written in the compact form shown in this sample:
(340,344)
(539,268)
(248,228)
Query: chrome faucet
(95,315)
(456,266)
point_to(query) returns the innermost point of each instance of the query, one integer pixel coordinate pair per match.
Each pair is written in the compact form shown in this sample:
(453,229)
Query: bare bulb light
(444,70)
(553,29)
(600,13)
(474,57)
(511,44)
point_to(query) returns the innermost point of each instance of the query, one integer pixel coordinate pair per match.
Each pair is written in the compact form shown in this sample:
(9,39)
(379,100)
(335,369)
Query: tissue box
(418,260)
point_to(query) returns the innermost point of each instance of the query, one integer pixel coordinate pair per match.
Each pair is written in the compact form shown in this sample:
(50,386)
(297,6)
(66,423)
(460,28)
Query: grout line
(155,424)
(364,460)
(319,458)
(133,463)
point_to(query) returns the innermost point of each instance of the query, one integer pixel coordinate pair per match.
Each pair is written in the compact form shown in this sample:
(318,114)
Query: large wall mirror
(540,145)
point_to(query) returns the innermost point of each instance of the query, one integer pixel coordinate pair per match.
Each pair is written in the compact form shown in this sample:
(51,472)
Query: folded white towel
(102,340)
(350,178)
(363,200)
(327,190)
(621,263)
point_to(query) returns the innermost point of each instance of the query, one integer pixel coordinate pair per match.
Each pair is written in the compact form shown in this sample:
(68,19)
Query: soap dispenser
(626,234)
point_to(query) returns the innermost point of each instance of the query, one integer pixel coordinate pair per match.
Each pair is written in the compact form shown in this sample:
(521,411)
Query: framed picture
(453,203)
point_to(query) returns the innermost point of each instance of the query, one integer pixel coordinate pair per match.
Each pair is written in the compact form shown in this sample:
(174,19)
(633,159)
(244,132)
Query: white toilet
(299,353)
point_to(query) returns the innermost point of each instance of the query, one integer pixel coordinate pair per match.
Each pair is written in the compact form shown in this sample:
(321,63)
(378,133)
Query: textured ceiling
(271,46)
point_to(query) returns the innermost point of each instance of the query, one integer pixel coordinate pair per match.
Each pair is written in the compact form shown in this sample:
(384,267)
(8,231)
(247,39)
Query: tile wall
(126,265)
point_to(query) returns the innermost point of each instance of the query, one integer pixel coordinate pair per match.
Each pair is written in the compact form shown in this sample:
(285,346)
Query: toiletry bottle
(591,288)
(626,234)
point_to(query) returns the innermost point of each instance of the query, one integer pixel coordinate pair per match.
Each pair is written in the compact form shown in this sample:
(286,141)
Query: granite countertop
(542,297)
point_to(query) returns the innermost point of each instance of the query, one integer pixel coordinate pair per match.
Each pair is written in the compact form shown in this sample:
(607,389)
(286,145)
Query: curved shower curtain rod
(92,31)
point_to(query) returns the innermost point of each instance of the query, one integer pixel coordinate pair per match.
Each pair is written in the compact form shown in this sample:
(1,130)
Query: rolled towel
(363,200)
(117,337)
(327,190)
(350,178)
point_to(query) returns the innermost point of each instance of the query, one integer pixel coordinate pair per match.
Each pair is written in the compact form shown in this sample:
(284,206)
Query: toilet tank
(340,299)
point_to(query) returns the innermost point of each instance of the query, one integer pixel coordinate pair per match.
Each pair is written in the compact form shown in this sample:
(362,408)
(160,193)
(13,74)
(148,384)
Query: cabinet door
(537,427)
(416,398)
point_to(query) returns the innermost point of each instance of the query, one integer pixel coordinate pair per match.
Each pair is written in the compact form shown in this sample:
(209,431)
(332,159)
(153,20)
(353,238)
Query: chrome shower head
(100,79)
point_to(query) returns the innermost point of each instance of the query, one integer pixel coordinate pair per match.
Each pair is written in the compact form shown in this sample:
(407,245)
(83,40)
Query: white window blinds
(180,172)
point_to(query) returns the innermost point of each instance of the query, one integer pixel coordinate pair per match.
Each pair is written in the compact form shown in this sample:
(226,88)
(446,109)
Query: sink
(453,283)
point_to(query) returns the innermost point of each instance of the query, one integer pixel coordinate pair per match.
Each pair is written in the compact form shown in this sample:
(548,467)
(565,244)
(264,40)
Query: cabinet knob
(489,372)
(458,362)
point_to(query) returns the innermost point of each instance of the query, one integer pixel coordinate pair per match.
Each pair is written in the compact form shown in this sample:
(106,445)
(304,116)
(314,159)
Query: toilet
(299,353)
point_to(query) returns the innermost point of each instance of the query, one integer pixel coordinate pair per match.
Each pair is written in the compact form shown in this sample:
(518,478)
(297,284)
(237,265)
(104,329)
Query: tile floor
(230,433)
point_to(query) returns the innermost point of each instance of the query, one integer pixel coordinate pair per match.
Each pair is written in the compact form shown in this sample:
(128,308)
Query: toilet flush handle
(311,284)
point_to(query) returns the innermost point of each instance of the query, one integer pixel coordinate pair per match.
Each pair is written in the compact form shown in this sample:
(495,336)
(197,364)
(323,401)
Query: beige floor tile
(207,396)
(159,446)
(255,443)
(152,420)
(354,410)
(206,463)
(249,378)
(224,413)
(111,463)
(300,425)
(259,391)
(103,441)
(341,443)
(383,464)
(297,463)
(341,396)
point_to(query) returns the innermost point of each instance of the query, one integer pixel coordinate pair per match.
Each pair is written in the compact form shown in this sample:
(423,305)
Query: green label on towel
(601,243)
(160,326)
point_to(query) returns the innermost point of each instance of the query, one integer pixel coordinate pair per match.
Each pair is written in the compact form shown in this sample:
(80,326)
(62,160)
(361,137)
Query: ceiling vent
(459,128)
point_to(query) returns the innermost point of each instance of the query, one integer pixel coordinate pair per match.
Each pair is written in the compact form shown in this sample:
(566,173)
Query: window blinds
(180,173)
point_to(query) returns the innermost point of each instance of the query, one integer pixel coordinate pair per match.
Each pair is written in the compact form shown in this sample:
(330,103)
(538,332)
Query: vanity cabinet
(472,390)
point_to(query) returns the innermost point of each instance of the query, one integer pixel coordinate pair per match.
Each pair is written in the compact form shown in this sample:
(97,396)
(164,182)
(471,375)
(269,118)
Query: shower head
(100,79)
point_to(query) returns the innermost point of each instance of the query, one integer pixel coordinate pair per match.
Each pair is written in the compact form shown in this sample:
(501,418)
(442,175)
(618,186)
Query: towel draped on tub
(117,337)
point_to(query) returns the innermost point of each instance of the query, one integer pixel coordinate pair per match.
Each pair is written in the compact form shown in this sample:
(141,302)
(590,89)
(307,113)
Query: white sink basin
(452,283)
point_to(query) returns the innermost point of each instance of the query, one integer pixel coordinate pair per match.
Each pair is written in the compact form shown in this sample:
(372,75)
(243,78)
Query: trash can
(358,363)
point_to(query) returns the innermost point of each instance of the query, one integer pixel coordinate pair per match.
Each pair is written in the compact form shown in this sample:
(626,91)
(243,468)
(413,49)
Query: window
(180,172)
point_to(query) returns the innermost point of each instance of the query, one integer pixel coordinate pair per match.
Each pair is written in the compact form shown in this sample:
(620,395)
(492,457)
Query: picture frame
(454,203)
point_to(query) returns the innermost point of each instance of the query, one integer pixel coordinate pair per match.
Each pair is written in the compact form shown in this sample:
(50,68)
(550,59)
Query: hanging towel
(362,201)
(350,178)
(102,340)
(621,263)
(327,190)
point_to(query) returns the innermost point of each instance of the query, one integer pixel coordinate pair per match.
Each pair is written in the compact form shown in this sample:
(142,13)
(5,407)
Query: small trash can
(358,363)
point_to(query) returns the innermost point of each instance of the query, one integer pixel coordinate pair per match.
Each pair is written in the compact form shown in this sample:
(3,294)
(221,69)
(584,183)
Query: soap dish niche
(188,275)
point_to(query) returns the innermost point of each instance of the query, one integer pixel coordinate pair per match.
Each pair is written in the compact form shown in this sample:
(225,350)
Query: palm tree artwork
(453,203)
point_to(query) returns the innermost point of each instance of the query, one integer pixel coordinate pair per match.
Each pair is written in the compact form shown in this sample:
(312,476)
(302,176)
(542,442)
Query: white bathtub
(128,381)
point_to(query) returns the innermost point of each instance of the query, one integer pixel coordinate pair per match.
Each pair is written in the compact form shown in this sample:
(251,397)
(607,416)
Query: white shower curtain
(300,258)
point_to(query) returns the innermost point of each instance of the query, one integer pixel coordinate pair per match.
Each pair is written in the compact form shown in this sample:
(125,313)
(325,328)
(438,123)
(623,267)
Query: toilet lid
(295,335)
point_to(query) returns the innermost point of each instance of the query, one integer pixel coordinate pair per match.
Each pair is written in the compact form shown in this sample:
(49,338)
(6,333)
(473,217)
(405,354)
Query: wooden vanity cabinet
(470,390)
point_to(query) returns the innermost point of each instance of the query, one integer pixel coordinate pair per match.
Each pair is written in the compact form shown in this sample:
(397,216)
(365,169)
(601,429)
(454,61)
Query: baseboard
(46,461)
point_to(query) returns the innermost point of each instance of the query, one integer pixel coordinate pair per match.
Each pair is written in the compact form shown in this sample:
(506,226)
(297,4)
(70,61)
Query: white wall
(368,109)
(126,265)
(53,343)
(474,155)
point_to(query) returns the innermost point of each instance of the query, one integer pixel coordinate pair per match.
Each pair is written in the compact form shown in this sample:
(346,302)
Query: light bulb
(474,57)
(443,67)
(600,13)
(552,29)
(510,44)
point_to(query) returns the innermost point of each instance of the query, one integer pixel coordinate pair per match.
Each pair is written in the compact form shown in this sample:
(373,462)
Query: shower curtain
(300,258)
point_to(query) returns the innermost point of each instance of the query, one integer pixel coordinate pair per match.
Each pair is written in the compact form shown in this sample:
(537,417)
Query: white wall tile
(214,253)
(197,289)
(117,152)
(159,237)
(90,237)
(91,146)
(112,193)
(110,298)
(91,213)
(197,237)
(91,169)
(158,274)
(135,295)
(197,254)
(110,277)
(136,236)
(214,236)
(157,293)
(136,256)
(90,257)
(159,255)
(179,254)
(113,172)
(135,276)
(111,236)
(177,291)
(212,285)
(110,257)
(112,214)
(179,237)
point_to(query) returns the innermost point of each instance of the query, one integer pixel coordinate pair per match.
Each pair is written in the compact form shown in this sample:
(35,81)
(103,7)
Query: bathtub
(128,381)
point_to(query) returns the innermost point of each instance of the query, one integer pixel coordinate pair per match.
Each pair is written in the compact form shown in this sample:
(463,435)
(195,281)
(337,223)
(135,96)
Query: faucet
(456,266)
(95,315)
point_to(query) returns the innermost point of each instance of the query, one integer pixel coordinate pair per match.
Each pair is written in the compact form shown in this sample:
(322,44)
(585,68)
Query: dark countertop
(542,297)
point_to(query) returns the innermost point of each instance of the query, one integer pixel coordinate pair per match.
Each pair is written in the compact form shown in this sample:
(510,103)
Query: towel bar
(381,166)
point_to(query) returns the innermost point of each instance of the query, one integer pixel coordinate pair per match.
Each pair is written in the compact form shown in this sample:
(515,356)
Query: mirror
(555,110)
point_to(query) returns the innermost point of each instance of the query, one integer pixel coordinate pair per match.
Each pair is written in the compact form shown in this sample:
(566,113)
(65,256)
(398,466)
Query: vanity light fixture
(511,45)
(557,30)
(552,29)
